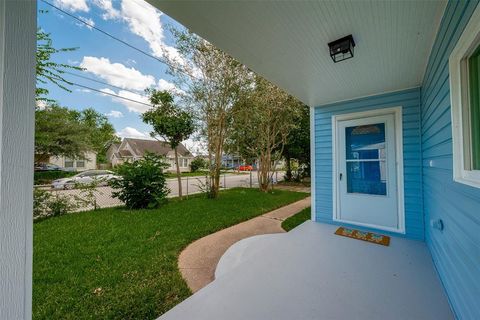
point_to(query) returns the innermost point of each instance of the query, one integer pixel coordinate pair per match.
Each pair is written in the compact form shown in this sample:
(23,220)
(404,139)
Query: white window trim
(469,40)
(397,112)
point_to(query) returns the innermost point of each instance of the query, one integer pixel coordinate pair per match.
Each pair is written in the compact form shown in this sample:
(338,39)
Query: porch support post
(17,112)
(312,163)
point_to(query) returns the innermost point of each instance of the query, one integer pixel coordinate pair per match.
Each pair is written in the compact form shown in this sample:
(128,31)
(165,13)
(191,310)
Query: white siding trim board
(17,101)
(313,170)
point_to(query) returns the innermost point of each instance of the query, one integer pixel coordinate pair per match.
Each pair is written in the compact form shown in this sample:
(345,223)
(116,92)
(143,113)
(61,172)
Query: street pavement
(190,185)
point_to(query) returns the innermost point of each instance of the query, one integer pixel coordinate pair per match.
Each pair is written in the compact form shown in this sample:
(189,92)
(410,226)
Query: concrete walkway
(198,261)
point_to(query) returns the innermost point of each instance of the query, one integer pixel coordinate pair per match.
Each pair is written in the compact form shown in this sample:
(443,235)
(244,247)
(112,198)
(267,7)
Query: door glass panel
(365,142)
(366,159)
(367,177)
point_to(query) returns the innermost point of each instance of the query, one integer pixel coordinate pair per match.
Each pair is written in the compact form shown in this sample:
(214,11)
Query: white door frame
(397,112)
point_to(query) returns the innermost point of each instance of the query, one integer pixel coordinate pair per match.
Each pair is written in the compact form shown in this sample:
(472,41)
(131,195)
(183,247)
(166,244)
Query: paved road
(190,185)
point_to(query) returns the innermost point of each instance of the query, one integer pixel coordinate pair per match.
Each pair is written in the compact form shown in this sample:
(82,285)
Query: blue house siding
(410,101)
(456,249)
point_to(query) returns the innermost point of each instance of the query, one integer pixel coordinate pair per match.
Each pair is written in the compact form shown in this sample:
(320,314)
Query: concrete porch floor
(310,273)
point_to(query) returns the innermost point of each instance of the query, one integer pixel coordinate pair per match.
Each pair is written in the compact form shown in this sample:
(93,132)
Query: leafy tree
(48,70)
(143,183)
(263,120)
(213,82)
(101,132)
(198,163)
(169,122)
(298,143)
(58,132)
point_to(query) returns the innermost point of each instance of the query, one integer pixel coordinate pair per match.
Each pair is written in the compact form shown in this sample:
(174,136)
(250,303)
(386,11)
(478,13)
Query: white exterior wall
(18,25)
(173,168)
(90,162)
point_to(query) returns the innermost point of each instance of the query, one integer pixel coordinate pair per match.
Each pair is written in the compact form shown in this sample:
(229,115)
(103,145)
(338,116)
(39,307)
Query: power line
(117,39)
(110,94)
(102,82)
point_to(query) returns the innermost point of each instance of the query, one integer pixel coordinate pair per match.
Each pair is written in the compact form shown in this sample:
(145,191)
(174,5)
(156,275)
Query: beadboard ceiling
(286,41)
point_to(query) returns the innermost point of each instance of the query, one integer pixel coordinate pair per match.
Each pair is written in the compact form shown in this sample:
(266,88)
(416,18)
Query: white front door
(366,172)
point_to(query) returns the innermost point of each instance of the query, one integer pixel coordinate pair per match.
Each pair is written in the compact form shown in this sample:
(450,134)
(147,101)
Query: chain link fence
(85,199)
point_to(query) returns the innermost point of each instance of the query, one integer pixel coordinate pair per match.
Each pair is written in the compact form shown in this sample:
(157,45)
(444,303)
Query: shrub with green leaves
(46,204)
(143,183)
(198,163)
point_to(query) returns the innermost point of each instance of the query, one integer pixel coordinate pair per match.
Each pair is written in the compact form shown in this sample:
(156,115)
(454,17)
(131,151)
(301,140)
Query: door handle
(340,177)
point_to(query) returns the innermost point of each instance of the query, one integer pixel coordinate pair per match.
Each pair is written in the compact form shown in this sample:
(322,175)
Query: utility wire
(102,82)
(110,94)
(118,39)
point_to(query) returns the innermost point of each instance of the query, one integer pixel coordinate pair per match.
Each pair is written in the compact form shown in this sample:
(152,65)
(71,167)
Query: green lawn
(121,264)
(296,220)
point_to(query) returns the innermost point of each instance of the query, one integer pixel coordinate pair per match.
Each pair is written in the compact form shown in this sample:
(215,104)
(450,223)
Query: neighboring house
(133,149)
(87,162)
(230,161)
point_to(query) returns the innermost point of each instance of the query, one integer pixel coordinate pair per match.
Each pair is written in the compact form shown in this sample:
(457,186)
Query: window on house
(183,162)
(465,104)
(68,163)
(474,89)
(81,163)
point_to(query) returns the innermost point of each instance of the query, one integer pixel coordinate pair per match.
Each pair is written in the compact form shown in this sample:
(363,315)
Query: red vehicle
(245,168)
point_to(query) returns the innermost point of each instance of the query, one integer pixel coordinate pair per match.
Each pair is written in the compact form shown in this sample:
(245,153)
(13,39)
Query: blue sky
(107,60)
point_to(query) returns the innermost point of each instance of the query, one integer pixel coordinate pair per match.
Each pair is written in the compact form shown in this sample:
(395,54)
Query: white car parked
(101,177)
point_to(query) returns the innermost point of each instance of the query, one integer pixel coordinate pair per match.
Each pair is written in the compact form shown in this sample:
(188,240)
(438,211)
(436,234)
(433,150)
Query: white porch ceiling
(286,41)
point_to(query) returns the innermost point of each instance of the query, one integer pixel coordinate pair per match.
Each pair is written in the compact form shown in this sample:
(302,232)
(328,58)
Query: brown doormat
(362,235)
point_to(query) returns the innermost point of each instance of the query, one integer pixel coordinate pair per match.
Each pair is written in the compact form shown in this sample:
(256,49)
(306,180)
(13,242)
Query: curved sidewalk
(198,261)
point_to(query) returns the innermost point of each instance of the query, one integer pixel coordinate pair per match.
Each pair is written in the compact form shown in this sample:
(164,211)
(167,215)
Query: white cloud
(144,21)
(130,101)
(90,22)
(83,90)
(117,74)
(130,62)
(72,5)
(165,85)
(114,114)
(107,6)
(129,132)
(41,105)
(195,147)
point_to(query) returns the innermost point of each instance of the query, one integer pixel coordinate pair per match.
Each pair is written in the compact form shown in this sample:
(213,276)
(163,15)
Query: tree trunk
(288,175)
(216,175)
(179,176)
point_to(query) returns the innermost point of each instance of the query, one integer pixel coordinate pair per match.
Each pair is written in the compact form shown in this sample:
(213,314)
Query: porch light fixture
(342,49)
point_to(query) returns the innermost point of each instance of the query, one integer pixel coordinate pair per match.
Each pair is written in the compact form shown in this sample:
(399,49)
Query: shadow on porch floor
(310,273)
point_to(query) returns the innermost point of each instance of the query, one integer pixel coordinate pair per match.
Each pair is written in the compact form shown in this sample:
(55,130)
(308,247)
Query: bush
(143,183)
(41,199)
(46,204)
(198,163)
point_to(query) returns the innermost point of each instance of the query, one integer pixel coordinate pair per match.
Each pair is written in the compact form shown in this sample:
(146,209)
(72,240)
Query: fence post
(187,186)
(250,178)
